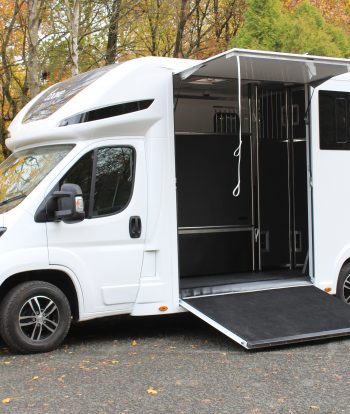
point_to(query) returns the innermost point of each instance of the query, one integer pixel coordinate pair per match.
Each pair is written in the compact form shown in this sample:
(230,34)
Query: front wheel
(343,286)
(34,317)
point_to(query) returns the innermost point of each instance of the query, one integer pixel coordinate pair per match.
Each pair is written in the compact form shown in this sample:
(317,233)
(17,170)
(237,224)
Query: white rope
(238,150)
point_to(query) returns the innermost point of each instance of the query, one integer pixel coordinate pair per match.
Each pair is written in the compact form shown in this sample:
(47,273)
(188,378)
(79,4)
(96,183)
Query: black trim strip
(107,112)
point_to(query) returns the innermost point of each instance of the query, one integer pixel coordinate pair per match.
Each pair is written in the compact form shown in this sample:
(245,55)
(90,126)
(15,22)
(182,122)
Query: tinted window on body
(334,120)
(59,94)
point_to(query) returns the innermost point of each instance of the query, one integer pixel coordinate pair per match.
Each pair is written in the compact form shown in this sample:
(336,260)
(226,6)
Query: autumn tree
(264,24)
(271,26)
(46,41)
(308,32)
(11,77)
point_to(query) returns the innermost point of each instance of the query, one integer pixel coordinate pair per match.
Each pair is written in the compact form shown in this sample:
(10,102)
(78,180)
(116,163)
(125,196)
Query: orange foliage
(334,11)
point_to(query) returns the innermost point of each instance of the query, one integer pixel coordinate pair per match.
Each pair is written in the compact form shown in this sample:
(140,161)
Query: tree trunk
(3,135)
(216,20)
(73,15)
(33,67)
(112,41)
(154,26)
(180,28)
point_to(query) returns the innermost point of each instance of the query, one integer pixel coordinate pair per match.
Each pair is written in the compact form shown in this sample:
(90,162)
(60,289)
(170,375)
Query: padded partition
(215,253)
(300,176)
(274,204)
(300,201)
(206,172)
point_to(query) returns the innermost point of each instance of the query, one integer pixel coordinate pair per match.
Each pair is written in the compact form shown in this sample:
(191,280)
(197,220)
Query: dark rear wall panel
(215,253)
(206,173)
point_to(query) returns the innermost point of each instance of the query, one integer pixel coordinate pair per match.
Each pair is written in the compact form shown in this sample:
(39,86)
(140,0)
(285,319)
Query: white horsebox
(159,185)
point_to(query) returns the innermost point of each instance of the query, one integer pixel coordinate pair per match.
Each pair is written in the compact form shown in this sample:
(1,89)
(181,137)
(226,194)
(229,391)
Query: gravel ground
(173,364)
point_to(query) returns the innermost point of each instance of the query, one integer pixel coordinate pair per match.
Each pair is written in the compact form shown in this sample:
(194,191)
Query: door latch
(135,227)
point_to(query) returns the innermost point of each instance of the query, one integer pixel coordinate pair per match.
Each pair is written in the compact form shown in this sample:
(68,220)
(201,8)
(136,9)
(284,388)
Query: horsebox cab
(220,187)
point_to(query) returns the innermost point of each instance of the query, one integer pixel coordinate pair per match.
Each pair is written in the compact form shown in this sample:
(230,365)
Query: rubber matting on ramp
(274,317)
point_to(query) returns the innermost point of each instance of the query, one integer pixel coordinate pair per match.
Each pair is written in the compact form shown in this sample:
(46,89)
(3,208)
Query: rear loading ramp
(273,317)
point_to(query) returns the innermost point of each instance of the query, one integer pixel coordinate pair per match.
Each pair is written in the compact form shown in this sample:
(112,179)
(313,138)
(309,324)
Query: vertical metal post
(293,230)
(287,122)
(258,170)
(252,173)
(308,128)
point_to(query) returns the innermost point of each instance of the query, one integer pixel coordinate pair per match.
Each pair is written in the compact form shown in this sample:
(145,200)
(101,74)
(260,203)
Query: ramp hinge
(310,179)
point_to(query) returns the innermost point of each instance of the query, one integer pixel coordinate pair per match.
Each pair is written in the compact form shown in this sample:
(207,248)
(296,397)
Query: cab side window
(81,174)
(114,180)
(106,177)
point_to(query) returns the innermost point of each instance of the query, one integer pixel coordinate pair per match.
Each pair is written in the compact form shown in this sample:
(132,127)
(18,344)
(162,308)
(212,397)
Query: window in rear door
(334,115)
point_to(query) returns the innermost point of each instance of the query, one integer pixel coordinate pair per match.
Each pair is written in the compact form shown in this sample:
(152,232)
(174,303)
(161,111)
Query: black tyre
(34,317)
(343,285)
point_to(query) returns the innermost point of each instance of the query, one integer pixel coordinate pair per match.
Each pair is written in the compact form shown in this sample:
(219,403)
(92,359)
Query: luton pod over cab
(160,185)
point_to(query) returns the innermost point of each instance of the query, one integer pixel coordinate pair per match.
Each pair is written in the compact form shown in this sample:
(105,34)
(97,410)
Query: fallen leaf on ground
(152,391)
(134,343)
(35,378)
(6,400)
(313,407)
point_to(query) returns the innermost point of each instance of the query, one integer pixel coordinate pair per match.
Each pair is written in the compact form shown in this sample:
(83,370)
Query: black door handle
(135,227)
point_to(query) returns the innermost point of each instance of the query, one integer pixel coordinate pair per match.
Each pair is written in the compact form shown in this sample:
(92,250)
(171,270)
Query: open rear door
(273,317)
(277,316)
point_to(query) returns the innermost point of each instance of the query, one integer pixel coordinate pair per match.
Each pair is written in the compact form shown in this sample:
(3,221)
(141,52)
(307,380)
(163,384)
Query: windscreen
(24,170)
(60,94)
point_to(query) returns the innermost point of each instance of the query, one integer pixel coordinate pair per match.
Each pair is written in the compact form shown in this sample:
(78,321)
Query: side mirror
(70,204)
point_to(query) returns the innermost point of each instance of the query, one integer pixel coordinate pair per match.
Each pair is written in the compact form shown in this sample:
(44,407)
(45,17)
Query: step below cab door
(105,251)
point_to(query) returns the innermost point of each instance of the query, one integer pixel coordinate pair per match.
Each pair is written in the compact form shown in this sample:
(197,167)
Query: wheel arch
(345,263)
(56,277)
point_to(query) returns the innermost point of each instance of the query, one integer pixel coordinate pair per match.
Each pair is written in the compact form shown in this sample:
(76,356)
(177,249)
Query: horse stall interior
(241,173)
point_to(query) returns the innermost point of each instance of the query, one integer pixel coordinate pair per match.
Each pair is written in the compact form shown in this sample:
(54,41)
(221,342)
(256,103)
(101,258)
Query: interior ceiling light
(206,81)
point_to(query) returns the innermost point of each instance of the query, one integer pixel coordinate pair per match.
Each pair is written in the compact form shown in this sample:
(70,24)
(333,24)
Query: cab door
(105,251)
